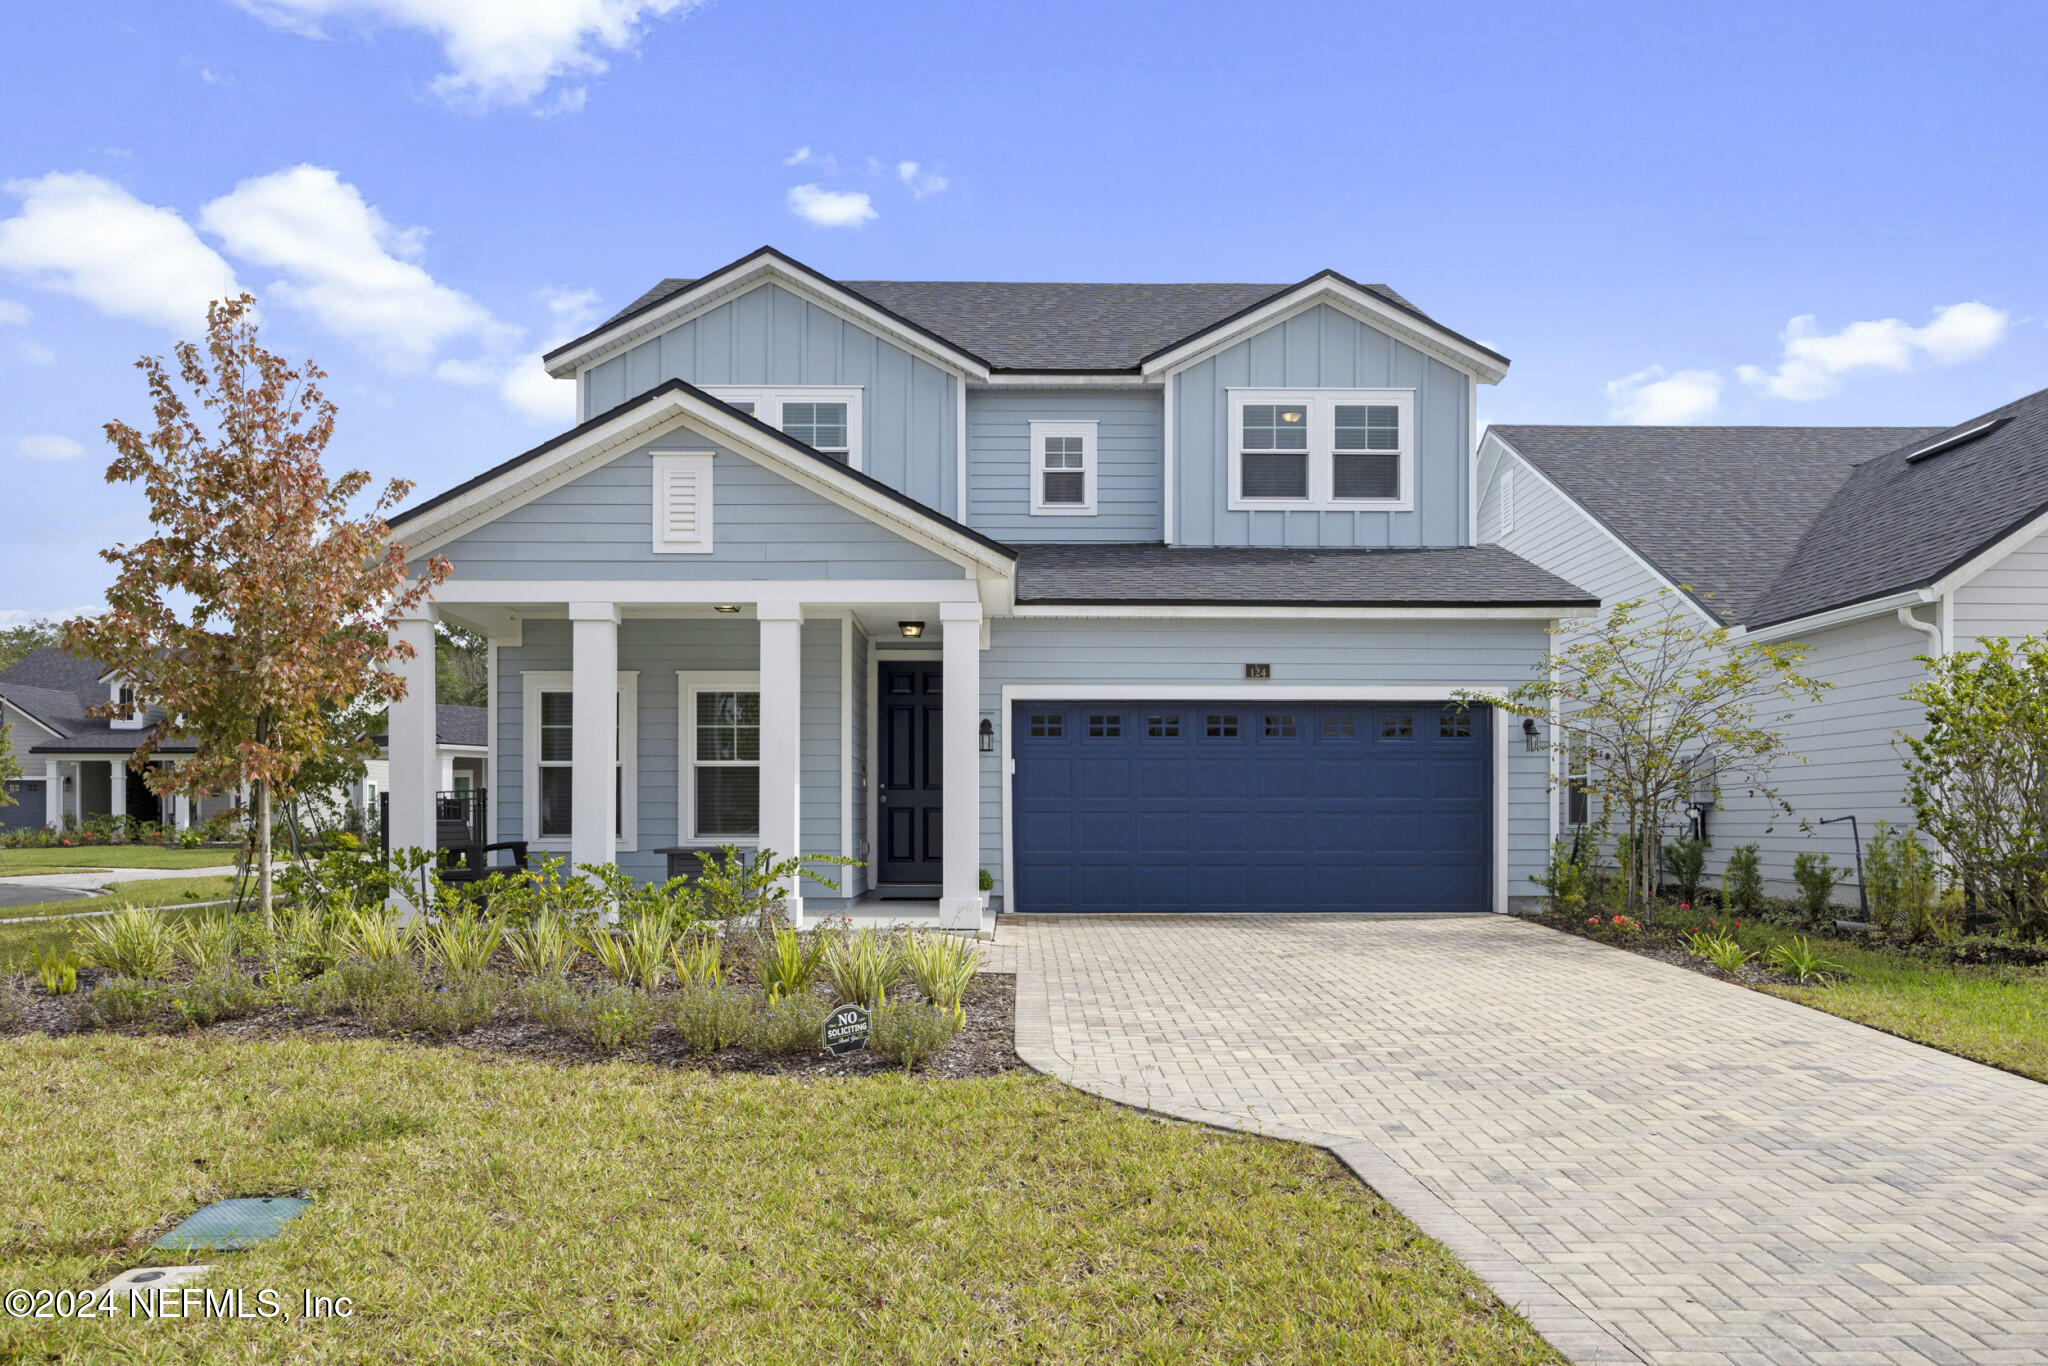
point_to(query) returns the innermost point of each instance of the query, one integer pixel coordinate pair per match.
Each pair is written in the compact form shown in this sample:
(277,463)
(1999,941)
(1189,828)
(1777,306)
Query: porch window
(550,732)
(720,757)
(827,419)
(1062,469)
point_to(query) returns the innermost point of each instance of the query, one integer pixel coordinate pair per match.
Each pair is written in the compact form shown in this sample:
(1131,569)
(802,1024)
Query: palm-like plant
(461,946)
(790,962)
(943,966)
(862,966)
(132,942)
(545,947)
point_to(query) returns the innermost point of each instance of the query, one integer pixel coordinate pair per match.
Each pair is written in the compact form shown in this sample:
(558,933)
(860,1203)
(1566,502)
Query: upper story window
(1322,448)
(129,712)
(825,419)
(1063,469)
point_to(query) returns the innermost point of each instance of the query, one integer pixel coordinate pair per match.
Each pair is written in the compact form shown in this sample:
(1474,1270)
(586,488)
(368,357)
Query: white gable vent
(682,503)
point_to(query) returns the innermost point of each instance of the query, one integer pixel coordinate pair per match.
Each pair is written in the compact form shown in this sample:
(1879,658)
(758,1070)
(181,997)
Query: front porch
(642,723)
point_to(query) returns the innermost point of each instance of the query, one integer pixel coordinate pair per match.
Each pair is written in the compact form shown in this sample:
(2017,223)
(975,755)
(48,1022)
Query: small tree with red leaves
(261,599)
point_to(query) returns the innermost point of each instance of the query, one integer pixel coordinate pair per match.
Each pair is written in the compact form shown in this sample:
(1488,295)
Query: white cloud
(499,52)
(798,157)
(46,447)
(85,236)
(572,309)
(922,183)
(523,382)
(1815,363)
(14,616)
(831,208)
(34,353)
(345,264)
(1653,397)
(13,314)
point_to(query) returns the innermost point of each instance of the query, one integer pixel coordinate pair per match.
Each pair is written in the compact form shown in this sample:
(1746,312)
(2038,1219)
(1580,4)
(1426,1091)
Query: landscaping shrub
(461,946)
(1798,958)
(1817,880)
(648,941)
(208,944)
(545,946)
(226,994)
(1565,879)
(1742,881)
(1686,860)
(131,942)
(909,1033)
(13,1005)
(789,962)
(375,936)
(792,1025)
(547,1001)
(863,965)
(615,1017)
(1719,948)
(699,960)
(309,939)
(119,1001)
(943,966)
(1881,876)
(710,1018)
(57,970)
(360,984)
(455,1008)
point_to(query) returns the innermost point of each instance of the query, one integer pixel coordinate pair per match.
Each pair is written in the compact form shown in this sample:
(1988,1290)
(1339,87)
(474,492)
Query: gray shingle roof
(1063,326)
(1898,524)
(455,725)
(1719,510)
(1159,575)
(60,711)
(51,667)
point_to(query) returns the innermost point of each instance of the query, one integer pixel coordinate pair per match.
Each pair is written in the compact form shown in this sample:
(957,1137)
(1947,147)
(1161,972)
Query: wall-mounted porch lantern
(911,629)
(988,736)
(1530,737)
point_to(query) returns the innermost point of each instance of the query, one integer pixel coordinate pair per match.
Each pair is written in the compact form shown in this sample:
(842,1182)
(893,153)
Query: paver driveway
(1650,1164)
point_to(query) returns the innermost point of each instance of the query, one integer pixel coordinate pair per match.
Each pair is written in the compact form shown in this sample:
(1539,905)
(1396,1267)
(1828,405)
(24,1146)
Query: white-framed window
(1322,448)
(824,417)
(719,758)
(548,725)
(1507,501)
(1577,785)
(1063,469)
(682,502)
(129,714)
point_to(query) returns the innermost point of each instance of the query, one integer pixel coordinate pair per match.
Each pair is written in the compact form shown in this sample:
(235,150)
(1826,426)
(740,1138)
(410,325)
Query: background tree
(17,642)
(261,602)
(1978,777)
(1665,706)
(461,667)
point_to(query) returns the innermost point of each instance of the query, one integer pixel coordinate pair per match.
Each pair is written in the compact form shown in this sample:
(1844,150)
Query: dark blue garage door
(1201,806)
(27,811)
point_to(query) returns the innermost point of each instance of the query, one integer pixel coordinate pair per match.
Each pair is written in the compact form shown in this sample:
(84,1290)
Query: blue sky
(1773,213)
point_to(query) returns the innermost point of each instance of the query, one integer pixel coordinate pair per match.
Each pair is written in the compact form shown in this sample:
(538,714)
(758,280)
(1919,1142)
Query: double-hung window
(549,732)
(720,757)
(827,419)
(1578,797)
(1327,449)
(1062,469)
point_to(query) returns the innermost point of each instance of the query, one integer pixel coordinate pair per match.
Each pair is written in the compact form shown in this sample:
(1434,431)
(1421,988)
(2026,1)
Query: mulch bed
(983,1047)
(1653,944)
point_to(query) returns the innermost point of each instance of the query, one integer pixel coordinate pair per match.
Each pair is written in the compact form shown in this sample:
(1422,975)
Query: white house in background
(1126,597)
(461,758)
(1871,546)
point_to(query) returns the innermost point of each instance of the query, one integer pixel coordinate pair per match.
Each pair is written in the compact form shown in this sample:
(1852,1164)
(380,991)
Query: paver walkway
(1650,1164)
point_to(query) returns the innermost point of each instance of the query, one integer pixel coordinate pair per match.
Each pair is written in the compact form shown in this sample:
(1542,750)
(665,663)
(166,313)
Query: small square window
(1340,725)
(1047,725)
(1105,726)
(1454,725)
(1163,726)
(1397,725)
(1279,725)
(1222,725)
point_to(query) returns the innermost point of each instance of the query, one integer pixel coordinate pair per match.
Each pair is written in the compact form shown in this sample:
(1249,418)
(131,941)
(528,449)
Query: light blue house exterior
(1028,598)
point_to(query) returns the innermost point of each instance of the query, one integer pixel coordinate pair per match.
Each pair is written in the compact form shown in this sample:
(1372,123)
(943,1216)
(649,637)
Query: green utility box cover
(231,1225)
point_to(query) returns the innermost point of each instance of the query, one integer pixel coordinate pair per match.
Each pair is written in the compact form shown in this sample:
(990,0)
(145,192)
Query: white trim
(1013,693)
(1823,621)
(1946,613)
(1623,546)
(1472,441)
(6,702)
(1986,558)
(1166,470)
(764,594)
(1931,629)
(766,401)
(491,751)
(846,849)
(765,268)
(1507,500)
(679,473)
(960,449)
(534,682)
(1321,454)
(649,422)
(1129,381)
(875,660)
(701,680)
(1204,612)
(1043,429)
(1366,308)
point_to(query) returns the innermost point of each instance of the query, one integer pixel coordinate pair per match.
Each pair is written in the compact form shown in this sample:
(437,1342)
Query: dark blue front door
(909,803)
(1269,806)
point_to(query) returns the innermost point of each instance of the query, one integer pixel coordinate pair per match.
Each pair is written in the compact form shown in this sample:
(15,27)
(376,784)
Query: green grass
(481,1210)
(19,944)
(15,862)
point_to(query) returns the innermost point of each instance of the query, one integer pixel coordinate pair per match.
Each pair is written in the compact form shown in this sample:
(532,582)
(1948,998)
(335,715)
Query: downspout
(1929,629)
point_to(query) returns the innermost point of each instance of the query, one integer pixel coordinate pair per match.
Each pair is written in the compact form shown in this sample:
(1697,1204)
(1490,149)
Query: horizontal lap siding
(770,336)
(2009,599)
(600,525)
(1320,348)
(1129,465)
(1160,658)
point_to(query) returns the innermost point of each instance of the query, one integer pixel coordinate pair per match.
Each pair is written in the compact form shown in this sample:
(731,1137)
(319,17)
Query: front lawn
(56,859)
(159,891)
(482,1209)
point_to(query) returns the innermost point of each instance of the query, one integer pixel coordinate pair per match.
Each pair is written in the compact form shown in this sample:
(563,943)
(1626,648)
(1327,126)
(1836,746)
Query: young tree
(1665,706)
(1978,778)
(260,602)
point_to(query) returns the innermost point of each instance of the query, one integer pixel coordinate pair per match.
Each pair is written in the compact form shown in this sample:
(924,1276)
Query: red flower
(1592,920)
(1685,905)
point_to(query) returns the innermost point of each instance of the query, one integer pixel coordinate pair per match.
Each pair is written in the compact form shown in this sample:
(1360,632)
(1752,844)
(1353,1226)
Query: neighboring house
(461,758)
(1869,546)
(1126,597)
(75,767)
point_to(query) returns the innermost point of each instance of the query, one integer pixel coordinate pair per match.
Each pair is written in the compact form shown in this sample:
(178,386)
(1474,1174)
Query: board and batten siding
(657,650)
(2009,599)
(1159,659)
(1129,473)
(1320,348)
(770,336)
(599,526)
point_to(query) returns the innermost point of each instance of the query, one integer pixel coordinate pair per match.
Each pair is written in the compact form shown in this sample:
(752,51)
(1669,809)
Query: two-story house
(1120,597)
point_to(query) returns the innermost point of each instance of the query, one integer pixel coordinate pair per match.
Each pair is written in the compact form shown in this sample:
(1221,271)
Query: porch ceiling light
(727,607)
(911,629)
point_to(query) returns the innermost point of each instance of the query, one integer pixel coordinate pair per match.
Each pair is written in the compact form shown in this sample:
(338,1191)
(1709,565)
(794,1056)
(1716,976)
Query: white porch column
(410,728)
(117,788)
(594,712)
(53,794)
(960,768)
(782,741)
